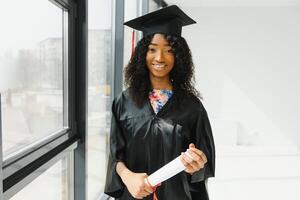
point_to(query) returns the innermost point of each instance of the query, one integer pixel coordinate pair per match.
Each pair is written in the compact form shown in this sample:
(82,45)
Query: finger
(196,157)
(143,194)
(138,197)
(196,166)
(193,155)
(204,158)
(199,160)
(148,189)
(189,169)
(187,158)
(192,145)
(146,193)
(148,186)
(200,153)
(183,161)
(197,163)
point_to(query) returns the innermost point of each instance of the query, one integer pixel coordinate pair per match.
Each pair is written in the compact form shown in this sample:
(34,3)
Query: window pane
(99,93)
(31,71)
(154,5)
(52,184)
(130,12)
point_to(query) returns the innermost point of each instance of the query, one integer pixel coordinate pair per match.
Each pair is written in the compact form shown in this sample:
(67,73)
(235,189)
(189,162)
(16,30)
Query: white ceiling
(197,3)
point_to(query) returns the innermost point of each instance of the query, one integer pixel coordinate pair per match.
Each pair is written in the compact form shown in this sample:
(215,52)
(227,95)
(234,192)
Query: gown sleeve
(114,186)
(204,141)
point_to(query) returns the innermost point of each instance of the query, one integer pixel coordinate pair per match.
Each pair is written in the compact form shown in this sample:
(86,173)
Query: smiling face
(160,58)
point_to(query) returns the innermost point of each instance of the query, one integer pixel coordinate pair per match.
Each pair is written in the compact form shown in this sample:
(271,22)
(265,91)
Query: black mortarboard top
(168,20)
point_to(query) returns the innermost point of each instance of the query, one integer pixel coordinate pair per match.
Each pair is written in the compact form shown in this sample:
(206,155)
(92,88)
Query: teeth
(158,66)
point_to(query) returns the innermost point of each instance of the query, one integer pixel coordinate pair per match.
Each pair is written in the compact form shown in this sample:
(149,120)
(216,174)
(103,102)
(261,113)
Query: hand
(195,163)
(136,185)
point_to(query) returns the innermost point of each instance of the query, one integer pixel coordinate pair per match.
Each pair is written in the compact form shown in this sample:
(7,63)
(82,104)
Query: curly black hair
(181,76)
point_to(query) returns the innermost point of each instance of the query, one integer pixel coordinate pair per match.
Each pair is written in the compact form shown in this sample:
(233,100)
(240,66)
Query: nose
(159,56)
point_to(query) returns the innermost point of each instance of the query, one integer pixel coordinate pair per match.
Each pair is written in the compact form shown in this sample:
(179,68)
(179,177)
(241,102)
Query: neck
(161,83)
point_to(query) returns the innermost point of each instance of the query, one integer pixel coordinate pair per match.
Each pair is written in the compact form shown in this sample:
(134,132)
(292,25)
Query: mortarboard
(168,20)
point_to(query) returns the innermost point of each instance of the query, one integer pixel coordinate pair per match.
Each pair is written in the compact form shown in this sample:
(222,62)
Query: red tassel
(132,43)
(154,196)
(154,190)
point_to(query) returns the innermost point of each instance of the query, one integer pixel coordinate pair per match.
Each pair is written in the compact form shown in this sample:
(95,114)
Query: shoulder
(193,102)
(121,97)
(121,100)
(124,107)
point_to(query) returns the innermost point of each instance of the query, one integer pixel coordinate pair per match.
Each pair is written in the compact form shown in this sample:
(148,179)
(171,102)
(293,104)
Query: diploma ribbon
(154,189)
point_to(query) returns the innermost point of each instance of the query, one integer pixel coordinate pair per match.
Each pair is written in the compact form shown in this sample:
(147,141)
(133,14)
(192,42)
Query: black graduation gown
(146,141)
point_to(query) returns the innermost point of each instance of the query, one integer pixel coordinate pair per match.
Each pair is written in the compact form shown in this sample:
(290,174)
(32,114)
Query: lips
(159,66)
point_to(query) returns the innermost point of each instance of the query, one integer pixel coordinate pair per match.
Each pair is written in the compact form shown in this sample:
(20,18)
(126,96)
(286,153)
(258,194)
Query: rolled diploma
(169,170)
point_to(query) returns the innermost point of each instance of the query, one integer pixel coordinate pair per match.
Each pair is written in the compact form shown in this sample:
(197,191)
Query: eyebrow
(154,44)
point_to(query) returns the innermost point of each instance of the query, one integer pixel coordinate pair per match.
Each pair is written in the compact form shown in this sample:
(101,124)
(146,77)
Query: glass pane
(52,184)
(31,71)
(99,93)
(130,12)
(154,5)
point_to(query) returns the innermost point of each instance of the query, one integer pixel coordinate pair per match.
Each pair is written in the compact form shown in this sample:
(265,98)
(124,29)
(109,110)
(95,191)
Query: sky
(24,23)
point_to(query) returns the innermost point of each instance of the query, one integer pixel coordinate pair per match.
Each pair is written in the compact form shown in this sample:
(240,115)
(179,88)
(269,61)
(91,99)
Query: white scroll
(169,170)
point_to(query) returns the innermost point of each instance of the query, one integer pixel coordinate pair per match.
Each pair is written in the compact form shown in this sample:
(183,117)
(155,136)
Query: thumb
(192,145)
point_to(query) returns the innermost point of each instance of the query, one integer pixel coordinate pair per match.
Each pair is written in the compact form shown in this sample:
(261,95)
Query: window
(130,12)
(105,79)
(42,87)
(57,184)
(33,63)
(99,94)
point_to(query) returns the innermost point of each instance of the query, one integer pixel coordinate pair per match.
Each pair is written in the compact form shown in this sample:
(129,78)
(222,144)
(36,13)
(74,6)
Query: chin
(159,75)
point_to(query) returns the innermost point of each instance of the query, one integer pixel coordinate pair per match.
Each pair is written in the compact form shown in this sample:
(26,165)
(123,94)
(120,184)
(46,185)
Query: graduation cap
(168,20)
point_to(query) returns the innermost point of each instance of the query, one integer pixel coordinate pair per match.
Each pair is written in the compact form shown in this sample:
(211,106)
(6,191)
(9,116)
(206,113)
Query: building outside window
(32,72)
(99,93)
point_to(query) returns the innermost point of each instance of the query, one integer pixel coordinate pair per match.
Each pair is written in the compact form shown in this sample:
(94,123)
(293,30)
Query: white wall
(247,61)
(247,67)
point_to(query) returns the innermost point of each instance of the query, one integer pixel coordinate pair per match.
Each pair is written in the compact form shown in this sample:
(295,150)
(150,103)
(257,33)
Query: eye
(151,50)
(169,51)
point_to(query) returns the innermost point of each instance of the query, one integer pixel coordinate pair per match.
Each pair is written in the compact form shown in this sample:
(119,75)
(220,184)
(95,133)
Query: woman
(159,116)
